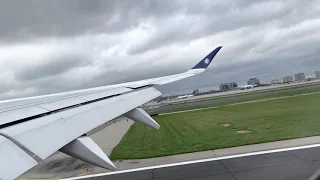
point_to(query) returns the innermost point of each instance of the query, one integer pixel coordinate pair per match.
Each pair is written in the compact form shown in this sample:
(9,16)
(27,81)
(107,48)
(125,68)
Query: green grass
(202,130)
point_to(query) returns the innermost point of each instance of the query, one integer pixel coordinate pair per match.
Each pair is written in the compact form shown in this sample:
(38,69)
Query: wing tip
(205,62)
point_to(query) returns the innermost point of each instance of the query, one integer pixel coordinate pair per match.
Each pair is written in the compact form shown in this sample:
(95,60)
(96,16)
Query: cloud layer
(54,46)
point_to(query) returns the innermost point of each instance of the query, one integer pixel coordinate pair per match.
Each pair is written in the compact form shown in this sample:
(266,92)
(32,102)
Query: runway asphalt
(158,109)
(288,165)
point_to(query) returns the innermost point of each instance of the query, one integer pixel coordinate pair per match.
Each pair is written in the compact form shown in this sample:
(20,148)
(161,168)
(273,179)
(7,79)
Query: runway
(193,103)
(288,165)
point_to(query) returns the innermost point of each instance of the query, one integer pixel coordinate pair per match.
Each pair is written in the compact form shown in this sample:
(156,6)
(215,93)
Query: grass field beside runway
(193,131)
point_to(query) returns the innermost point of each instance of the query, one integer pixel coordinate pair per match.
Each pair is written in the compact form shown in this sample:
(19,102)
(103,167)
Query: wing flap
(45,135)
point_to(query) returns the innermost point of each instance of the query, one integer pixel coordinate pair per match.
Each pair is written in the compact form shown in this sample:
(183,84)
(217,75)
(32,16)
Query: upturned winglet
(205,62)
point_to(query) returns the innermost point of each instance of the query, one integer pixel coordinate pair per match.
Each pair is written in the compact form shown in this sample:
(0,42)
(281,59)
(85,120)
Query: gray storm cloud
(54,66)
(52,46)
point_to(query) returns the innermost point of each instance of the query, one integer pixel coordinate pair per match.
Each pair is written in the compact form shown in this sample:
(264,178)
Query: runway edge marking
(198,161)
(199,109)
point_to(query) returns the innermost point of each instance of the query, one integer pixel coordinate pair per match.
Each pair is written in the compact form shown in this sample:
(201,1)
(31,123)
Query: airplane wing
(32,129)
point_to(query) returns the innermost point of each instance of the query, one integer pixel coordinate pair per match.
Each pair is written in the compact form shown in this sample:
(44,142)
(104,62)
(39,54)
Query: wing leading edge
(35,128)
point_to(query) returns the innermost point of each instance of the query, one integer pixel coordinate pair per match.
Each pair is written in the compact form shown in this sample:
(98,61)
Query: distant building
(254,82)
(287,79)
(317,74)
(275,81)
(196,92)
(300,77)
(224,87)
(228,86)
(233,85)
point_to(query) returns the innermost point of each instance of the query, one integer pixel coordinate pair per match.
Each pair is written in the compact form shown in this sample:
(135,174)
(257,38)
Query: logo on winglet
(207,61)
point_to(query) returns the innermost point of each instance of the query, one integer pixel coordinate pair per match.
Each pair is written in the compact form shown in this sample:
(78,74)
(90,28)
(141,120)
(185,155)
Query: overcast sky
(53,46)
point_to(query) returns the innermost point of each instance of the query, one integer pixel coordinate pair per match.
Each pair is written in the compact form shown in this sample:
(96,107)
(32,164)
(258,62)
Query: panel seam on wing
(22,147)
